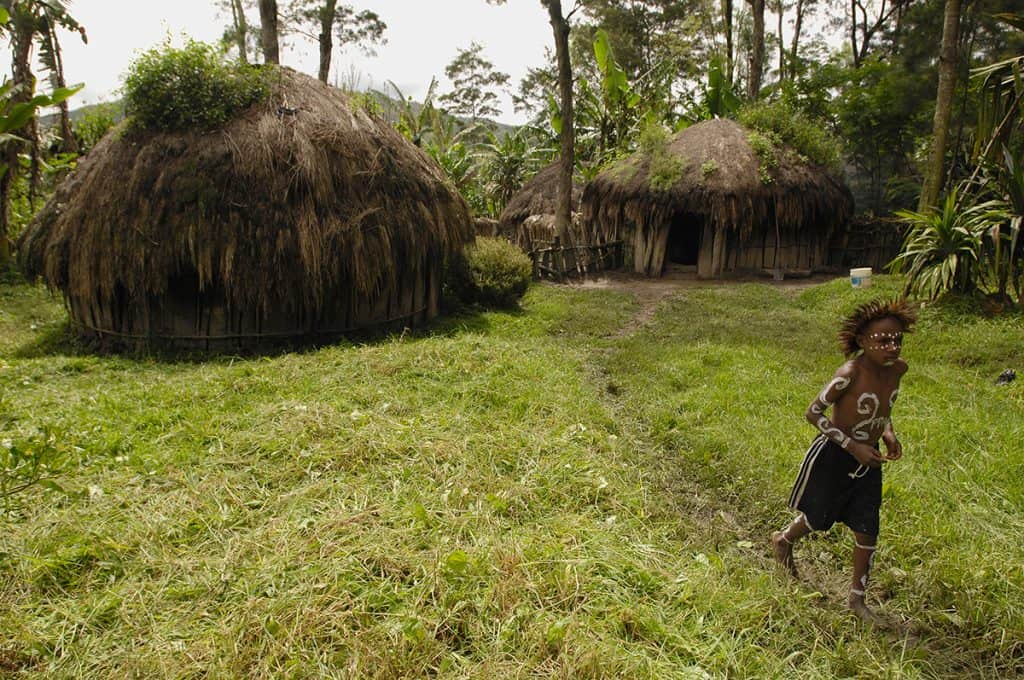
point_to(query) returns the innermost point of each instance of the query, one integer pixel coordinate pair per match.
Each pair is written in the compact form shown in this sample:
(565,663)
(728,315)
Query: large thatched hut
(529,218)
(707,204)
(303,217)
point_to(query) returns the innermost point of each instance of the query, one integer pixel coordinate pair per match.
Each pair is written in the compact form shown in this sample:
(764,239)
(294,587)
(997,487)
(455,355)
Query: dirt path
(650,292)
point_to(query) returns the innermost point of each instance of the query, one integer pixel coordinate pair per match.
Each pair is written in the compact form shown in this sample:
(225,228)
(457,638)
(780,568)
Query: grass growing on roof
(521,493)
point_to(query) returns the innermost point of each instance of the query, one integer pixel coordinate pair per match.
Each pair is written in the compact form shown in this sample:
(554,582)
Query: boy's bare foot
(858,607)
(784,553)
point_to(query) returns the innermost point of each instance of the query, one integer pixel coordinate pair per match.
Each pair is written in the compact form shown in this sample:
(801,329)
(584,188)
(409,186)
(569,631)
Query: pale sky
(423,37)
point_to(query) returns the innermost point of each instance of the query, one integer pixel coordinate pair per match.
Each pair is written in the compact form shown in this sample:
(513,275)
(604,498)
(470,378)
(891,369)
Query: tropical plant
(25,22)
(506,163)
(944,250)
(14,116)
(720,101)
(415,122)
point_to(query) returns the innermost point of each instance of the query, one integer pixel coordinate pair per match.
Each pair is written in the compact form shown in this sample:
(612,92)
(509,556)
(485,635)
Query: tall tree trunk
(943,106)
(326,38)
(853,33)
(241,29)
(727,13)
(563,210)
(268,31)
(757,51)
(794,51)
(782,44)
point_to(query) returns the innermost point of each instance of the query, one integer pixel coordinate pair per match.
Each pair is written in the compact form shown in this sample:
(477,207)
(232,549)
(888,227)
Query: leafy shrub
(195,86)
(665,169)
(95,123)
(789,125)
(763,146)
(492,272)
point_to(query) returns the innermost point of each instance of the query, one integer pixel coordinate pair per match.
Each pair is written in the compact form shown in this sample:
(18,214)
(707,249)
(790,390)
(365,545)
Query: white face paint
(884,341)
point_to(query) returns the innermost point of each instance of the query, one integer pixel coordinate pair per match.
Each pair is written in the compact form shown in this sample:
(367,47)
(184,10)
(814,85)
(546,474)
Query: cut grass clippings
(511,494)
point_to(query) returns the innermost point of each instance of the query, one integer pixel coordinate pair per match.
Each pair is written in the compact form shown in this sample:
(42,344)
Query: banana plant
(415,124)
(719,99)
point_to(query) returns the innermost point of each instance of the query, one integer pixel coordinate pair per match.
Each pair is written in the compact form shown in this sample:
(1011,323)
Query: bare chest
(866,408)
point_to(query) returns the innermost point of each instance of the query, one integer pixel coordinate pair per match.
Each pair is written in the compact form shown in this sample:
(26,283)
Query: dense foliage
(194,86)
(492,273)
(794,128)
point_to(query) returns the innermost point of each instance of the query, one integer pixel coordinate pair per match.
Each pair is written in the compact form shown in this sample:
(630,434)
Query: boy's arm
(829,395)
(843,378)
(893,448)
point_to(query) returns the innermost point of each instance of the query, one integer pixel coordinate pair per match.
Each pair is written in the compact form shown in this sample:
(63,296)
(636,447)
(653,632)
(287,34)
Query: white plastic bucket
(860,277)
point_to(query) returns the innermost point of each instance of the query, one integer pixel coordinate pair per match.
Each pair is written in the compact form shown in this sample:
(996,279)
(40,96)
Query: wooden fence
(867,243)
(561,263)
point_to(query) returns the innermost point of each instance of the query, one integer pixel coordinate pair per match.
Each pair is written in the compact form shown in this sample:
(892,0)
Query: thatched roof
(299,197)
(538,196)
(717,177)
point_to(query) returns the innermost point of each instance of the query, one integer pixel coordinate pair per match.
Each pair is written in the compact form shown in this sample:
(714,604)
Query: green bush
(195,86)
(665,169)
(491,272)
(779,120)
(95,123)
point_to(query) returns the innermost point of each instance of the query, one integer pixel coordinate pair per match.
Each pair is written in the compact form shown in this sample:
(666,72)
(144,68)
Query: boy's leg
(863,558)
(782,542)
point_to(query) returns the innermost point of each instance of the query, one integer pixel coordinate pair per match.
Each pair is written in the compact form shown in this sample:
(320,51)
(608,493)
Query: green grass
(514,494)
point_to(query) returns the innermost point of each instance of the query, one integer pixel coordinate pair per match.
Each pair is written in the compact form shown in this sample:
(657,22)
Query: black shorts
(833,487)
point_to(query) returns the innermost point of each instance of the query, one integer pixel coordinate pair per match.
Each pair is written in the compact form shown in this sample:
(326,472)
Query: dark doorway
(683,247)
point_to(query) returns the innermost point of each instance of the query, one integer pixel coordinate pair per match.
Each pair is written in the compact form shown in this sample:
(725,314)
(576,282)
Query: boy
(841,476)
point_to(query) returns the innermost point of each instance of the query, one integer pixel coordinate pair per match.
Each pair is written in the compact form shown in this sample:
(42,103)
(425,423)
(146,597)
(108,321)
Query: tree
(566,153)
(863,30)
(727,7)
(240,33)
(804,9)
(268,31)
(26,22)
(330,20)
(563,122)
(473,77)
(757,50)
(943,106)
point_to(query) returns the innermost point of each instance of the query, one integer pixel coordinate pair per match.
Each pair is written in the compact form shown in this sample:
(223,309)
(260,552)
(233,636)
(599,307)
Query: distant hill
(115,108)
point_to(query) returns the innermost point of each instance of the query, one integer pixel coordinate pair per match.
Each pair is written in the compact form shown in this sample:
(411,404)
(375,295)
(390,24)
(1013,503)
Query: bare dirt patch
(651,292)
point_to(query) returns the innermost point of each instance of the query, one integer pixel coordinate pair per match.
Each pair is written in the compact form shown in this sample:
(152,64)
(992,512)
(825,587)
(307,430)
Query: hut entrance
(683,246)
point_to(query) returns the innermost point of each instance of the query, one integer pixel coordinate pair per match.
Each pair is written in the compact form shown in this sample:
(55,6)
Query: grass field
(545,492)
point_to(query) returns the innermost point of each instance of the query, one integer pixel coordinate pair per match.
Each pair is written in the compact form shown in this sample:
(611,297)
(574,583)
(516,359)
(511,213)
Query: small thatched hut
(710,209)
(303,217)
(529,218)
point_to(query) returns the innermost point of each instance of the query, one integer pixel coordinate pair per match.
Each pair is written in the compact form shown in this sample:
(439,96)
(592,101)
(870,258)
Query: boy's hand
(865,455)
(893,449)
